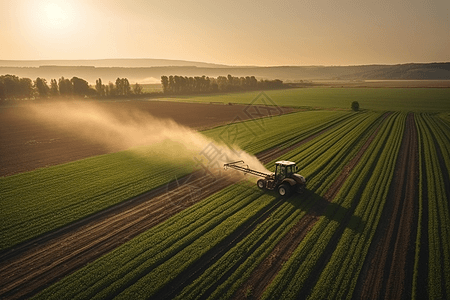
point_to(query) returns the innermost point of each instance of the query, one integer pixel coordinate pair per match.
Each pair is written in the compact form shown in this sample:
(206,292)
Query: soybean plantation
(374,221)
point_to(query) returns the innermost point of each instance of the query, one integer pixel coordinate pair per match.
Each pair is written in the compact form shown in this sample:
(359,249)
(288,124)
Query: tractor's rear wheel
(261,184)
(284,190)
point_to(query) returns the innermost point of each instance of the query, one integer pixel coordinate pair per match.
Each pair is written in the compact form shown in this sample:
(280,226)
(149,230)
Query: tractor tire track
(388,272)
(49,259)
(28,268)
(263,275)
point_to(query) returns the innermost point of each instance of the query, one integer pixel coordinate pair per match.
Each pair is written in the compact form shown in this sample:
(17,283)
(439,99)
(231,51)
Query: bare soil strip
(263,275)
(27,144)
(30,267)
(388,271)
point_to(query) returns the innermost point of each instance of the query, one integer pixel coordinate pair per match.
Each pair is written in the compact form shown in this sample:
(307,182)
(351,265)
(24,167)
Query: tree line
(12,87)
(186,85)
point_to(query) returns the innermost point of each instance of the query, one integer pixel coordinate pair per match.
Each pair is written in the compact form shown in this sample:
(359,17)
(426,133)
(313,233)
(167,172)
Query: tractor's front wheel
(284,190)
(261,184)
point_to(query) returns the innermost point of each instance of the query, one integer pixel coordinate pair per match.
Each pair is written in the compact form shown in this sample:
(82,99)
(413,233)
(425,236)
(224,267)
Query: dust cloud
(139,131)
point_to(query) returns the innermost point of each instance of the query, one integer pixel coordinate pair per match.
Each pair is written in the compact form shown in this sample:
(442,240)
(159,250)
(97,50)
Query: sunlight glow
(55,14)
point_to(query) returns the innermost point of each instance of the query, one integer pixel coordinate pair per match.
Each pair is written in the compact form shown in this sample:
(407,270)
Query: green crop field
(374,221)
(329,259)
(43,200)
(380,99)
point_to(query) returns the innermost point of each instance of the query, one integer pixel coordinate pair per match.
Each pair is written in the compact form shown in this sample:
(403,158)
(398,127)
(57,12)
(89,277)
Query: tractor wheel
(284,190)
(261,184)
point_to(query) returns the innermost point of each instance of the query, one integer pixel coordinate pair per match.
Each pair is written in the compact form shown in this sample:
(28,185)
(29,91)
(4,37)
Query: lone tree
(355,105)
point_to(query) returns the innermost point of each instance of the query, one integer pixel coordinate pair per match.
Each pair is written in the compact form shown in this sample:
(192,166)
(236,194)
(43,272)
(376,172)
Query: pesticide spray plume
(129,129)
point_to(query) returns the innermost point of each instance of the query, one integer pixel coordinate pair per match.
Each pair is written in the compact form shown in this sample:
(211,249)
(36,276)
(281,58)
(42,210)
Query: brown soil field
(28,144)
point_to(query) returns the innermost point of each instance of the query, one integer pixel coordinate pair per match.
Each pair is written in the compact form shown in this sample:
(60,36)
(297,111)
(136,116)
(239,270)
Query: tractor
(284,180)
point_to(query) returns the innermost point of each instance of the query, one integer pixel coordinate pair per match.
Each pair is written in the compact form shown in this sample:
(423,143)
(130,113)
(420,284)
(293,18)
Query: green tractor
(285,179)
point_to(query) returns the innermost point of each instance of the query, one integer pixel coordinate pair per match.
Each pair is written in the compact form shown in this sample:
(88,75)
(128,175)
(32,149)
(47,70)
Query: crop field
(381,99)
(28,144)
(374,221)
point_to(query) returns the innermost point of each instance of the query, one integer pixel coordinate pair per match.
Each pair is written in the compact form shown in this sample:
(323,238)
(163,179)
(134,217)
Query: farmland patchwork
(373,223)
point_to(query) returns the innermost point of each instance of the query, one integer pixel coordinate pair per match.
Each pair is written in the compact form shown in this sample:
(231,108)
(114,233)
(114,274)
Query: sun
(54,14)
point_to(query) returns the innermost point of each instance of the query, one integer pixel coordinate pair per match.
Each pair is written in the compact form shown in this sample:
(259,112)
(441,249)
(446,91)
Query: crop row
(162,253)
(351,220)
(365,207)
(238,263)
(165,249)
(435,168)
(45,199)
(257,135)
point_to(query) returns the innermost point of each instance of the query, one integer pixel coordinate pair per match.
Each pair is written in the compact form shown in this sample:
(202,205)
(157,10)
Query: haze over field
(134,128)
(263,33)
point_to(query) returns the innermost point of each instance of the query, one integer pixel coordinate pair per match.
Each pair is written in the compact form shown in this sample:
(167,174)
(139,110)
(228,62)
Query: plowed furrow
(388,271)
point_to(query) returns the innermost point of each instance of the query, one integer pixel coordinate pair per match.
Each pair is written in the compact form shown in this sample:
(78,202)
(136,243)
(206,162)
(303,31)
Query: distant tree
(54,88)
(80,86)
(26,88)
(137,89)
(355,105)
(110,90)
(126,87)
(171,86)
(165,84)
(13,87)
(100,88)
(123,87)
(65,87)
(119,86)
(42,87)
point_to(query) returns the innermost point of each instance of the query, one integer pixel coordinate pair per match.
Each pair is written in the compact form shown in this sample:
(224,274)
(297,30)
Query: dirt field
(27,144)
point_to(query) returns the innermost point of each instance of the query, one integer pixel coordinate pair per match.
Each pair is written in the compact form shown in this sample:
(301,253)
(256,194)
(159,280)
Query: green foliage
(435,161)
(149,262)
(43,200)
(13,87)
(363,178)
(165,250)
(255,136)
(355,105)
(48,198)
(183,248)
(378,99)
(189,85)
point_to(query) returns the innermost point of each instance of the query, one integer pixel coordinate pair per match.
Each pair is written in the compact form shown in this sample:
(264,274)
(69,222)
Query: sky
(261,33)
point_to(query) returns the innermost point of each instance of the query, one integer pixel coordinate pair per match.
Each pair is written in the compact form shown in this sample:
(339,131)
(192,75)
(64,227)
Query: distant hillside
(120,63)
(139,71)
(436,71)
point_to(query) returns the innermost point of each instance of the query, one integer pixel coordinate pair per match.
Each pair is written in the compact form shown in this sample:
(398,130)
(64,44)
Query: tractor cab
(285,179)
(284,169)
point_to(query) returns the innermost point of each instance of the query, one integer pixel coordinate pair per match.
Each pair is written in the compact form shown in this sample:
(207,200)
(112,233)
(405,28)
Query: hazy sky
(312,32)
